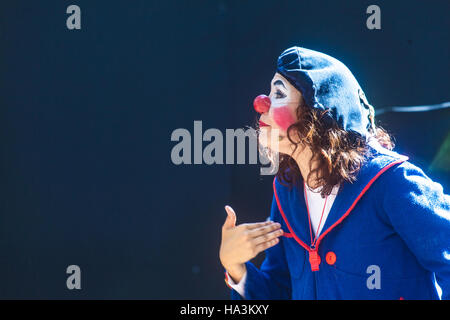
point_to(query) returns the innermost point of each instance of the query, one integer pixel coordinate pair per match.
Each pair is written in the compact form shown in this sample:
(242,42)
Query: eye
(279,94)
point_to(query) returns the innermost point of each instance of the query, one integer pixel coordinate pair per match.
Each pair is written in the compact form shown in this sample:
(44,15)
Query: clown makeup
(284,101)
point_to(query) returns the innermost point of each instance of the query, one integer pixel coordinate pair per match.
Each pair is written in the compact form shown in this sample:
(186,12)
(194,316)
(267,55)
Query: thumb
(230,221)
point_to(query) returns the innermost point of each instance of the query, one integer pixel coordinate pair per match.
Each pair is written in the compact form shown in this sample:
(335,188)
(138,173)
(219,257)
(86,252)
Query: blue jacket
(387,236)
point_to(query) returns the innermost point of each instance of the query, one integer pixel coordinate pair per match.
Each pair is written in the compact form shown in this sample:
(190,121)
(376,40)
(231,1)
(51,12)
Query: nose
(261,103)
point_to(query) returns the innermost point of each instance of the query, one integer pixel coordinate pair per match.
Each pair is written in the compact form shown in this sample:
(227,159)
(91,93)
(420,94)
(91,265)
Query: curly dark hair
(340,154)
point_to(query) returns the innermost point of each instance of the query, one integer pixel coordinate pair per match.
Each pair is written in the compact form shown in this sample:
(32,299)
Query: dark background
(86,118)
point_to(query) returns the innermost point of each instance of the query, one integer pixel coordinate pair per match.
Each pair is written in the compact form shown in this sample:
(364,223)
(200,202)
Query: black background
(86,118)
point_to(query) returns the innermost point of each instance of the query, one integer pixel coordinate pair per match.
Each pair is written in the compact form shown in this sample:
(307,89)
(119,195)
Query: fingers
(266,245)
(230,221)
(256,232)
(267,237)
(252,226)
(254,229)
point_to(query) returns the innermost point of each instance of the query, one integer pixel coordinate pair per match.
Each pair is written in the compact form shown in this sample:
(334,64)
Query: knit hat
(326,83)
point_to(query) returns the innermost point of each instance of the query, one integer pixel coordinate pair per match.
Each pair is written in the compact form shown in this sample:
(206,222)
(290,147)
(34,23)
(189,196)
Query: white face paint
(285,99)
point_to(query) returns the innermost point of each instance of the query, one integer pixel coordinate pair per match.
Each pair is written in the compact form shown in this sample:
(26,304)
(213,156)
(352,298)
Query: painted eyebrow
(279,83)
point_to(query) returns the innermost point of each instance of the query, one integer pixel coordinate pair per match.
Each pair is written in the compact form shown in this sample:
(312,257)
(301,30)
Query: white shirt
(315,204)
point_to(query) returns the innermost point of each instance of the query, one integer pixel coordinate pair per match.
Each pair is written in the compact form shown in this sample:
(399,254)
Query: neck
(303,157)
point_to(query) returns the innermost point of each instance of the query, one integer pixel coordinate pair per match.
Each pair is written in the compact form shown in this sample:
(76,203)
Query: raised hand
(244,242)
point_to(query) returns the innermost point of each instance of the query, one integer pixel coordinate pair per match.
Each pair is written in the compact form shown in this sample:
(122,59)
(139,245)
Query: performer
(350,217)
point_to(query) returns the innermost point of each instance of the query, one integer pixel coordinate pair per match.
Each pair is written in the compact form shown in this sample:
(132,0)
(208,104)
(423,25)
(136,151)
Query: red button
(330,258)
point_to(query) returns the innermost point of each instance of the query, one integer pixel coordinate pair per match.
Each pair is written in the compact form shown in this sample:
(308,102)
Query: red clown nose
(261,103)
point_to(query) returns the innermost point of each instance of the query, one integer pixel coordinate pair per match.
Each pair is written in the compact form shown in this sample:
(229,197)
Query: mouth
(263,124)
